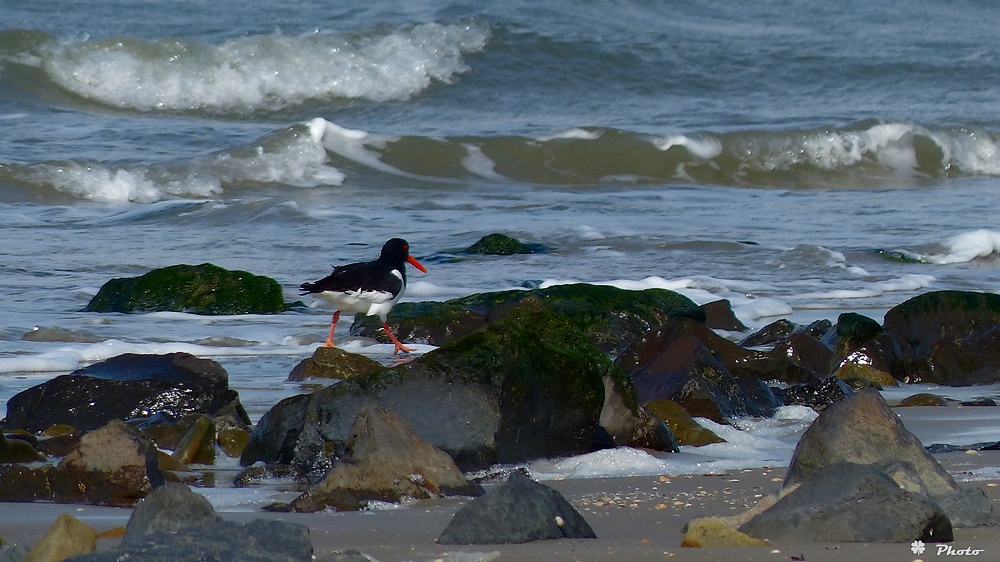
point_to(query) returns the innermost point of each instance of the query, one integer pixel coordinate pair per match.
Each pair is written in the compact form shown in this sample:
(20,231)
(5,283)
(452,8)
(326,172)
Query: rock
(673,363)
(17,450)
(713,532)
(388,463)
(198,289)
(198,444)
(349,556)
(685,429)
(517,512)
(923,399)
(66,537)
(630,425)
(528,386)
(112,466)
(719,316)
(859,376)
(173,524)
(970,508)
(333,363)
(770,334)
(502,245)
(848,502)
(233,441)
(124,387)
(817,395)
(862,429)
(611,318)
(805,352)
(957,323)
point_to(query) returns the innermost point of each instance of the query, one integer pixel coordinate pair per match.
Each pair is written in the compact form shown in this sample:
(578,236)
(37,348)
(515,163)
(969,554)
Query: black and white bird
(371,287)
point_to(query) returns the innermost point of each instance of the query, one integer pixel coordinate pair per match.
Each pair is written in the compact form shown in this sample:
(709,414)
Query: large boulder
(388,463)
(174,524)
(611,318)
(111,466)
(947,337)
(516,512)
(528,386)
(862,429)
(196,289)
(847,502)
(125,387)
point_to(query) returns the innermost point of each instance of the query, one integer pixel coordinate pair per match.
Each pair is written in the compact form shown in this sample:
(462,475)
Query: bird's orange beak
(413,261)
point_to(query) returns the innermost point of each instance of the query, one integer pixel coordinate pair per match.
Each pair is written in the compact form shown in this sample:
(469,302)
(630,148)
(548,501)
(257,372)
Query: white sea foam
(261,72)
(295,155)
(480,164)
(909,282)
(967,246)
(755,443)
(571,134)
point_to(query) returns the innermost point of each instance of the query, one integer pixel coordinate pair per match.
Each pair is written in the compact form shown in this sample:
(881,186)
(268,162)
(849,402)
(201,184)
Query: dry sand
(639,518)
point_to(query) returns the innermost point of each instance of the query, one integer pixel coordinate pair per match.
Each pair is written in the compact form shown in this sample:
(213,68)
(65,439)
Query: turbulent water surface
(799,159)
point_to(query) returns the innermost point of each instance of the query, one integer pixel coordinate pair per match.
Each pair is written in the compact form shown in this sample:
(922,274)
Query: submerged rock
(125,387)
(516,512)
(388,462)
(497,244)
(195,289)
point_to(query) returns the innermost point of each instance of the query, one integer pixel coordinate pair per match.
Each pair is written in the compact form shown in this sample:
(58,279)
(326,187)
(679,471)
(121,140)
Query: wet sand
(640,518)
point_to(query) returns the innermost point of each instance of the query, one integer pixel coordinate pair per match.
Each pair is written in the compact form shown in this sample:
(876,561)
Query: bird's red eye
(406,246)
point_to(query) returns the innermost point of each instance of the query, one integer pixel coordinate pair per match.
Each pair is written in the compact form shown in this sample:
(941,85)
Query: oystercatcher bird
(371,287)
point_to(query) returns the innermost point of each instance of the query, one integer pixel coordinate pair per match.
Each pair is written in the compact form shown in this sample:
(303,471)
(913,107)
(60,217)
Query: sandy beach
(638,518)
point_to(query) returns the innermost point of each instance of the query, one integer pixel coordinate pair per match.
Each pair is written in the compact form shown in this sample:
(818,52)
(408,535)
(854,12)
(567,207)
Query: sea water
(800,160)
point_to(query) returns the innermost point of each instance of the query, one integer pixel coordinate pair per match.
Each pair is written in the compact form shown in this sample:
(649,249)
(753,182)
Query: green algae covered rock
(527,386)
(611,318)
(196,289)
(502,245)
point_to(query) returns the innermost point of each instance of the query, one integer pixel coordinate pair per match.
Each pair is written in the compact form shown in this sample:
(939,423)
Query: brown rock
(333,363)
(923,399)
(65,538)
(17,450)
(233,441)
(388,462)
(851,371)
(198,444)
(719,316)
(713,532)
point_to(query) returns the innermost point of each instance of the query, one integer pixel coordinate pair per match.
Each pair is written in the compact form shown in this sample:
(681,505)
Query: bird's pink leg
(399,345)
(333,326)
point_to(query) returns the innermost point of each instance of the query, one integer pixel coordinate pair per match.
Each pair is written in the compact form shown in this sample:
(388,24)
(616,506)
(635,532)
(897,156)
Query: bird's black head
(396,252)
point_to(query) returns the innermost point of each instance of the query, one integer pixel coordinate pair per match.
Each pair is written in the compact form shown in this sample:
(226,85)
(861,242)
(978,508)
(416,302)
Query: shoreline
(637,518)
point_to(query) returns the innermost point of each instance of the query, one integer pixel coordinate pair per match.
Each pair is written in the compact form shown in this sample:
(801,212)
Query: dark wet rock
(848,502)
(195,289)
(65,538)
(57,334)
(528,386)
(611,318)
(858,376)
(17,450)
(817,395)
(805,352)
(111,466)
(853,331)
(862,429)
(948,337)
(673,363)
(817,329)
(936,448)
(923,399)
(685,429)
(125,387)
(719,316)
(333,363)
(770,334)
(760,395)
(388,462)
(259,473)
(970,508)
(174,524)
(497,244)
(980,402)
(517,512)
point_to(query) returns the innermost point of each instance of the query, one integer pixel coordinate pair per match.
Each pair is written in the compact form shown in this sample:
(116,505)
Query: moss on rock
(497,244)
(196,289)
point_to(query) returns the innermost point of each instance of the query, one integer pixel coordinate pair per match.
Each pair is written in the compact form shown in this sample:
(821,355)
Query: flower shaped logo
(917,547)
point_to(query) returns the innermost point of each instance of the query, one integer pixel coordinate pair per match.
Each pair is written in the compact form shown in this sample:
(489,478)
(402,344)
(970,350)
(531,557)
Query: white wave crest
(261,72)
(967,246)
(705,148)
